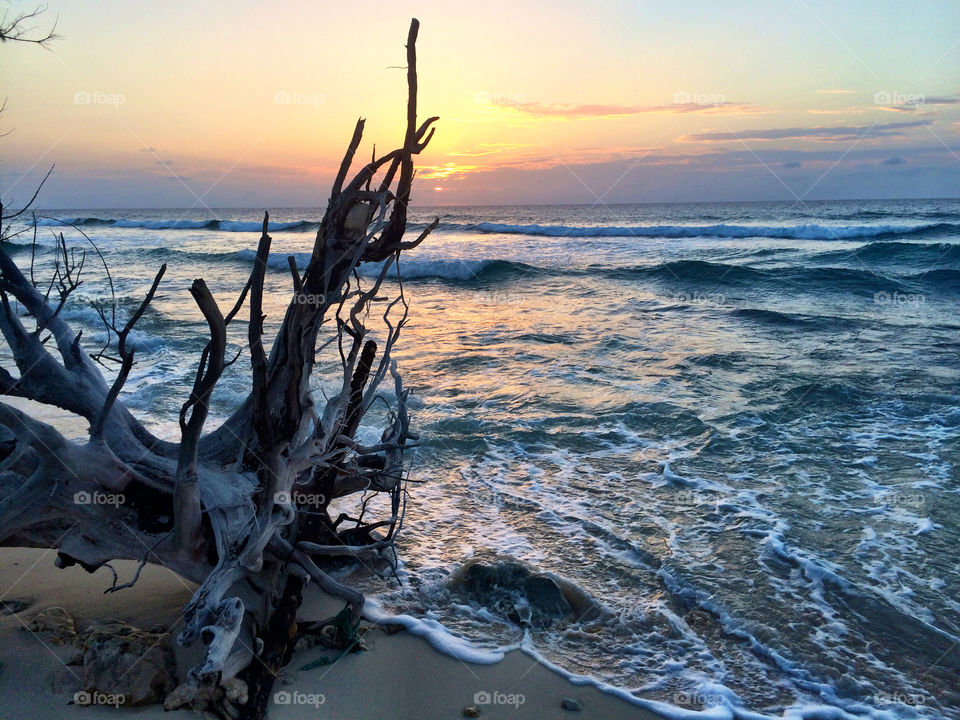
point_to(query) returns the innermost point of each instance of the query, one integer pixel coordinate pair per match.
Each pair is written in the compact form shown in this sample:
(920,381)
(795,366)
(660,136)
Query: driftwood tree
(241,509)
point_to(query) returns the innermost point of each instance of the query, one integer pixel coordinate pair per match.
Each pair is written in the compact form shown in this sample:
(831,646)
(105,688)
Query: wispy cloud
(712,171)
(945,100)
(565,111)
(837,92)
(922,102)
(844,132)
(445,171)
(842,111)
(487,149)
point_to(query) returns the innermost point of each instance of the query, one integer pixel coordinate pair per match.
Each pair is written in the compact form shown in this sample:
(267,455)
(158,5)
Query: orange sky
(236,104)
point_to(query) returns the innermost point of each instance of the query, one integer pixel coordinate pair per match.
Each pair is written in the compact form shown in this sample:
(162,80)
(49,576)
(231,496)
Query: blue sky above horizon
(227,104)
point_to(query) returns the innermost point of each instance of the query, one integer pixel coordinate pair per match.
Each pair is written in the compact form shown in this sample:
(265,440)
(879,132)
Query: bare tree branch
(19,27)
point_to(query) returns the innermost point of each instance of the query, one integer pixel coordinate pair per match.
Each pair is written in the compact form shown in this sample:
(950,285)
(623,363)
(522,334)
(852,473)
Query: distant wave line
(808,231)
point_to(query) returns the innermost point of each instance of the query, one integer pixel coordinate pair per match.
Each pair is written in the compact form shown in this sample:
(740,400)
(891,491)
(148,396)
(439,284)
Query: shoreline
(399,675)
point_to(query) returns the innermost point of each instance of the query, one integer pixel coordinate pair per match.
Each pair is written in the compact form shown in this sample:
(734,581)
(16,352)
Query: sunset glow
(225,105)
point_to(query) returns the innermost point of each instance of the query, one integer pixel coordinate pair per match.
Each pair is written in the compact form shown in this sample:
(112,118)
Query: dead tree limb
(241,509)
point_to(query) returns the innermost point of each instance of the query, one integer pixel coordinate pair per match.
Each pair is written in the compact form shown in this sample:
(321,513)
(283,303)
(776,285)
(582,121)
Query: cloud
(564,111)
(894,161)
(837,92)
(855,110)
(920,101)
(941,101)
(715,173)
(445,171)
(487,149)
(912,109)
(845,132)
(535,160)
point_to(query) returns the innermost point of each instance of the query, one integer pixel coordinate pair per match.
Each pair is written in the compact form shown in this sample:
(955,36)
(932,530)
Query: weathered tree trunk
(224,508)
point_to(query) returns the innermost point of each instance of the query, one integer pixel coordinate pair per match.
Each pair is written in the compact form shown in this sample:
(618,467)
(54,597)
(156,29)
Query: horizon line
(415,206)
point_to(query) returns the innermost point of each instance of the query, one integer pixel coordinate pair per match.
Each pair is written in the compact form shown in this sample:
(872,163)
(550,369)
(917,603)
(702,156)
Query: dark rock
(471,711)
(13,606)
(54,625)
(544,593)
(570,704)
(8,442)
(119,659)
(514,590)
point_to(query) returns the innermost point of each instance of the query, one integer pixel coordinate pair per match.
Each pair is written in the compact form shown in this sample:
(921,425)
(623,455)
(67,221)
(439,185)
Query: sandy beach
(398,676)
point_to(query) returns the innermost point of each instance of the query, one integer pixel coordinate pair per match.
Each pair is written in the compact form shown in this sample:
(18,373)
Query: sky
(245,104)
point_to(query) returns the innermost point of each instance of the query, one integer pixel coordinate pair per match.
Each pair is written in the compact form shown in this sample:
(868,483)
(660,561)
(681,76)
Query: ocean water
(735,427)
